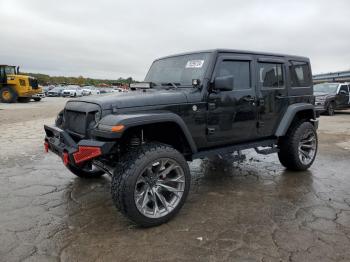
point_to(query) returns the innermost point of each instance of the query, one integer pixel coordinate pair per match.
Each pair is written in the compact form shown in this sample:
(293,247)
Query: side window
(271,75)
(240,70)
(344,88)
(300,74)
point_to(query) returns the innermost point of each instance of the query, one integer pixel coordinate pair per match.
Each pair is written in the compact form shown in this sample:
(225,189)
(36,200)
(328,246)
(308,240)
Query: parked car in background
(331,96)
(46,89)
(118,89)
(57,91)
(72,91)
(37,97)
(90,90)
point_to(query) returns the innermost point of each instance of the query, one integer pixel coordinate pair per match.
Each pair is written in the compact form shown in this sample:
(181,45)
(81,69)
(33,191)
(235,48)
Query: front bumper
(320,108)
(39,95)
(62,144)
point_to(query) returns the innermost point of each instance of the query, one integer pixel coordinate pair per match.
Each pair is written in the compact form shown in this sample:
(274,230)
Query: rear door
(232,114)
(272,93)
(342,98)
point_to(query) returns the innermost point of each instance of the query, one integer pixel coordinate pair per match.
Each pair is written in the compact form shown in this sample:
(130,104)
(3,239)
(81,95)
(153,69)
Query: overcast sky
(111,39)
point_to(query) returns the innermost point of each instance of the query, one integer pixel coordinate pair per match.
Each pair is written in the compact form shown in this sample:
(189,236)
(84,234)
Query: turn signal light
(46,145)
(117,128)
(65,158)
(85,153)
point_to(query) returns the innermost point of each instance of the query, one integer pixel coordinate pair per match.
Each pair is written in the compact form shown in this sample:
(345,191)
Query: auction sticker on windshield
(195,64)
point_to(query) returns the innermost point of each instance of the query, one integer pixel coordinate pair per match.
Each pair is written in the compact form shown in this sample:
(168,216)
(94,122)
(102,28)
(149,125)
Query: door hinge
(210,130)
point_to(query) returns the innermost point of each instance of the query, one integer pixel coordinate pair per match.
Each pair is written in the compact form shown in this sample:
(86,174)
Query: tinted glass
(326,88)
(344,88)
(240,70)
(10,70)
(271,75)
(300,74)
(178,69)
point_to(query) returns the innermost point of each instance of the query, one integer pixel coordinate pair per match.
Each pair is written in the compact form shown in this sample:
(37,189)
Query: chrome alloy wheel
(307,147)
(159,188)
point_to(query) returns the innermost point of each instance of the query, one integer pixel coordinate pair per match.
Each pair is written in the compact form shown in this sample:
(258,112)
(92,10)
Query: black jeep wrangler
(191,105)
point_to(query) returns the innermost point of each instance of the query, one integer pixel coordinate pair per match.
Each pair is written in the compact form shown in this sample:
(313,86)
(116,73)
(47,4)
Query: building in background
(341,76)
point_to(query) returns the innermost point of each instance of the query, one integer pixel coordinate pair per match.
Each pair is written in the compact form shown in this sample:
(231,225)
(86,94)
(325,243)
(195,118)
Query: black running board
(238,147)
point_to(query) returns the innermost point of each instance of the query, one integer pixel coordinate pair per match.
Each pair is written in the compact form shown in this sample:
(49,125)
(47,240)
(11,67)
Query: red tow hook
(65,158)
(46,145)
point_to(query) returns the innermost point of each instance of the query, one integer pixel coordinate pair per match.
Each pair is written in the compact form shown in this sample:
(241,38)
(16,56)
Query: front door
(232,114)
(272,94)
(342,98)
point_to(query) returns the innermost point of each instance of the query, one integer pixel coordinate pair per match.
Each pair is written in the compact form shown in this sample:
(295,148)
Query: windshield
(329,88)
(10,70)
(179,70)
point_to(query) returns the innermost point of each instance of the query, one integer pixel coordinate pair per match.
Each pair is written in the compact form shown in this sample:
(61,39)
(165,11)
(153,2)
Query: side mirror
(342,92)
(224,83)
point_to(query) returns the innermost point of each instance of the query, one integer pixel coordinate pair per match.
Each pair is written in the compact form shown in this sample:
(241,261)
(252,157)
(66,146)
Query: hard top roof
(222,50)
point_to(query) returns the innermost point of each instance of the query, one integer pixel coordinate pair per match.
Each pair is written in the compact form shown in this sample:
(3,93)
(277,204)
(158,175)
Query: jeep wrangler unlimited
(190,106)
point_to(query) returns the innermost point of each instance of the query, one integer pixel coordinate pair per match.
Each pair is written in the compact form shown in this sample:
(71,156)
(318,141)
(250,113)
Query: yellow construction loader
(15,87)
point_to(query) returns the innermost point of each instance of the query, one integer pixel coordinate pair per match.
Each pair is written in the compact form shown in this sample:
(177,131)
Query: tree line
(80,80)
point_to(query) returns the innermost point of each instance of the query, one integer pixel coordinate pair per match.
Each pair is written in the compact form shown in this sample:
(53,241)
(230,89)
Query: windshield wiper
(175,85)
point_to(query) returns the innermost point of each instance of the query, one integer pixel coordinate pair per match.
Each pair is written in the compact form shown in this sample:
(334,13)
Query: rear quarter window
(300,74)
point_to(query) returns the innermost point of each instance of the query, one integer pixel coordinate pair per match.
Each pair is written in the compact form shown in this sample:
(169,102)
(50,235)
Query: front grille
(79,122)
(33,83)
(75,121)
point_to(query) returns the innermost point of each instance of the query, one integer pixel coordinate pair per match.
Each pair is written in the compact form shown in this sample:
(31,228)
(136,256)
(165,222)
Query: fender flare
(289,115)
(129,120)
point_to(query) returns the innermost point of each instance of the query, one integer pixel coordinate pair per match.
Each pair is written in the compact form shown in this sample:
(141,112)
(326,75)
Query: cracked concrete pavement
(250,211)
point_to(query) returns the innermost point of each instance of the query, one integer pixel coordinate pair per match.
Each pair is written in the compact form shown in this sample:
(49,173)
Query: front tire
(330,109)
(151,184)
(37,99)
(86,172)
(8,95)
(298,148)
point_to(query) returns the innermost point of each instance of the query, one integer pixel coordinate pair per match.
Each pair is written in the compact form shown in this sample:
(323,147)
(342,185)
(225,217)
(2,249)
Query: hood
(321,94)
(138,98)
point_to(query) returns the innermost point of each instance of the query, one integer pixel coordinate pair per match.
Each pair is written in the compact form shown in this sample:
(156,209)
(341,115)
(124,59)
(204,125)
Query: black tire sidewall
(289,157)
(135,169)
(13,94)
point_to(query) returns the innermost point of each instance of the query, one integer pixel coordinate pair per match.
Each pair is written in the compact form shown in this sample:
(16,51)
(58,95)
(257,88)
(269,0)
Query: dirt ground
(251,211)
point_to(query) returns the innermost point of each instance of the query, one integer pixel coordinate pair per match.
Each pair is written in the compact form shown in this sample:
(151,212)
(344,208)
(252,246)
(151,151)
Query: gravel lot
(253,211)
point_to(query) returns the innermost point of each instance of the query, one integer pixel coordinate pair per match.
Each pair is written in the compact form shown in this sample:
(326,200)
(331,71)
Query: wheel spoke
(159,189)
(304,153)
(307,146)
(170,189)
(167,170)
(145,198)
(163,200)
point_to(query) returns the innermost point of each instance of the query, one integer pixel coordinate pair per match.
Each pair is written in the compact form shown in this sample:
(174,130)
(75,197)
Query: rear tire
(298,148)
(151,184)
(8,95)
(37,99)
(86,172)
